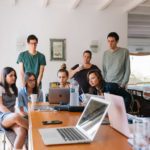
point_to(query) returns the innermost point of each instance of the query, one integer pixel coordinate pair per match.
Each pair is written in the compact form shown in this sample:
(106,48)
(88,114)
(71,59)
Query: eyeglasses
(33,80)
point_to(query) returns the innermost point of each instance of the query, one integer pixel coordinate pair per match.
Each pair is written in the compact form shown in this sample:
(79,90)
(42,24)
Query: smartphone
(52,122)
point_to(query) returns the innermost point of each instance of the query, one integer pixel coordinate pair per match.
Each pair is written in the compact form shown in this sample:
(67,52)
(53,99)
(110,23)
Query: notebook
(85,129)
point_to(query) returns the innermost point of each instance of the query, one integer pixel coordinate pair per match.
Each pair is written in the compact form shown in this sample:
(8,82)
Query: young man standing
(31,60)
(116,62)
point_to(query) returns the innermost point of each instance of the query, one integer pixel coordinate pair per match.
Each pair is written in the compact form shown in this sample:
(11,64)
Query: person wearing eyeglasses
(25,93)
(31,61)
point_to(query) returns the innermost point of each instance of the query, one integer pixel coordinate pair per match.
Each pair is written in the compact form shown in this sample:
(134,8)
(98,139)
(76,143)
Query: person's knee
(21,132)
(15,116)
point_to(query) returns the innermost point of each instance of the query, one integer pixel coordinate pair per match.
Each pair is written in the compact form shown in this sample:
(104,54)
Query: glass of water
(141,134)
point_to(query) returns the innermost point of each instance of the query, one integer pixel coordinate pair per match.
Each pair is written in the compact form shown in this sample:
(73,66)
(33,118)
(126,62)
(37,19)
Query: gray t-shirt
(8,101)
(116,66)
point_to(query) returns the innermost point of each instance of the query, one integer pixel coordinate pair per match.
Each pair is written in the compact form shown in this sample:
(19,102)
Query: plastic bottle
(74,93)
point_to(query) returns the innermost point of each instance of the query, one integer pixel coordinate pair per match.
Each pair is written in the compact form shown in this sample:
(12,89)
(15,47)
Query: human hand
(80,67)
(123,86)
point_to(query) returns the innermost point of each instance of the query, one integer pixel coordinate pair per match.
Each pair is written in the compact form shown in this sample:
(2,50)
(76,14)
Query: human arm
(41,68)
(104,72)
(3,108)
(21,104)
(40,76)
(21,72)
(127,70)
(22,112)
(20,61)
(74,70)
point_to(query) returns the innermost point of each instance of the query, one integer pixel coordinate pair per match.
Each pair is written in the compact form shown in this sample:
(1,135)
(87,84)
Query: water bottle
(74,93)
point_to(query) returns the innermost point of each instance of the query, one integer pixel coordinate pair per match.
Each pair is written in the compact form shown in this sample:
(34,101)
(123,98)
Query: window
(140,69)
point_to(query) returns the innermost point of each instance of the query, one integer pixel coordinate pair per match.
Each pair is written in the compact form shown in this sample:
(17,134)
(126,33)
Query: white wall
(79,27)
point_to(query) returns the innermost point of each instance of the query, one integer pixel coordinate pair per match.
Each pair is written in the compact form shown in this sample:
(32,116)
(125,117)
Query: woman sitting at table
(9,119)
(63,76)
(25,93)
(98,87)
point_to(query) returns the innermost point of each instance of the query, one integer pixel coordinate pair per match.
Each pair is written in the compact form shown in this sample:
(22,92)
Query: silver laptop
(84,131)
(118,116)
(59,95)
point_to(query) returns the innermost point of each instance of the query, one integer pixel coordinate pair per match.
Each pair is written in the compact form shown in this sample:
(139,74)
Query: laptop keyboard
(43,108)
(70,134)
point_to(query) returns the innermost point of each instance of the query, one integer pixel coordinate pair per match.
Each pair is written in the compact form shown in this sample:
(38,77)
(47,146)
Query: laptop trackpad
(50,135)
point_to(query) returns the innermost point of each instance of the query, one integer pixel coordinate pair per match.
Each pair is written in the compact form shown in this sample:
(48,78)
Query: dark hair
(98,75)
(26,78)
(89,52)
(5,85)
(32,37)
(114,35)
(63,68)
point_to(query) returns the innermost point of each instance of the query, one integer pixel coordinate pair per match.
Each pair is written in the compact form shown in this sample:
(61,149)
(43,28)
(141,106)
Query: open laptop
(118,116)
(84,131)
(59,95)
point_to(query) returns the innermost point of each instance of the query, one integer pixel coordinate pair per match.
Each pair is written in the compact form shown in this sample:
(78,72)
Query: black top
(114,88)
(81,77)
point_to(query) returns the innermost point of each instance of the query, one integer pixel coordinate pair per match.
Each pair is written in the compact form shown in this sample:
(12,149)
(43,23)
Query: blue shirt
(24,98)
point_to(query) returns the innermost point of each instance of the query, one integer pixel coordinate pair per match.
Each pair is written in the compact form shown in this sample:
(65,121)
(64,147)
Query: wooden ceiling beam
(45,3)
(104,4)
(132,4)
(13,2)
(75,4)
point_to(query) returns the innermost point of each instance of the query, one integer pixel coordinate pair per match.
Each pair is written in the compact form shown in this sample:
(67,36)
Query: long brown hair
(26,78)
(99,76)
(5,85)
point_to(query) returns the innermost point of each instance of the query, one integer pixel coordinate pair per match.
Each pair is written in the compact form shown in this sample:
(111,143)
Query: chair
(8,138)
(136,101)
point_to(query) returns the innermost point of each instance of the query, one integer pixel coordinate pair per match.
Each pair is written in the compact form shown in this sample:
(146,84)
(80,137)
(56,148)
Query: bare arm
(2,107)
(22,112)
(127,71)
(21,70)
(40,74)
(73,72)
(104,72)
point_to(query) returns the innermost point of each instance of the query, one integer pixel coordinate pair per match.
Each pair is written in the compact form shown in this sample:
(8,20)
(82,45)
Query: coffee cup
(33,98)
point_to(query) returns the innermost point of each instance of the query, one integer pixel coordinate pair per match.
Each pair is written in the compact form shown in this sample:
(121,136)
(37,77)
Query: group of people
(113,79)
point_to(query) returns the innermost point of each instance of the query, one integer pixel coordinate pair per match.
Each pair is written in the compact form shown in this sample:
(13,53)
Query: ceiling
(138,10)
(101,4)
(139,21)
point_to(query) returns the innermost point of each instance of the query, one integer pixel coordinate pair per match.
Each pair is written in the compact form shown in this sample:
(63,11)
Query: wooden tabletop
(106,138)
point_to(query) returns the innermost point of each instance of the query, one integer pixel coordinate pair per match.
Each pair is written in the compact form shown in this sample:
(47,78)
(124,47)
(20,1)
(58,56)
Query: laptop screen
(93,116)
